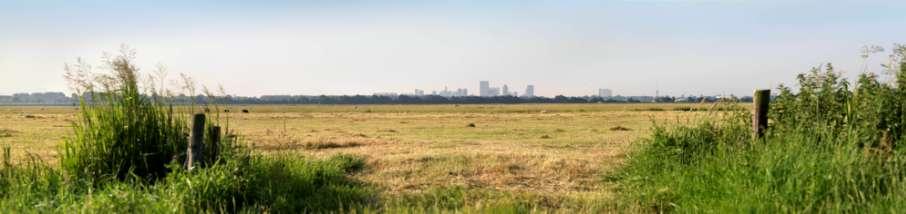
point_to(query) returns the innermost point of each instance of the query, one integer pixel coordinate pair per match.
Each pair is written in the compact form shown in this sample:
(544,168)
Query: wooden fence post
(215,144)
(761,102)
(195,149)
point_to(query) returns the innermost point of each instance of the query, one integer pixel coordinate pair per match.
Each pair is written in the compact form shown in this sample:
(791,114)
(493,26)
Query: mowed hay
(311,145)
(555,181)
(416,149)
(499,171)
(412,149)
(331,144)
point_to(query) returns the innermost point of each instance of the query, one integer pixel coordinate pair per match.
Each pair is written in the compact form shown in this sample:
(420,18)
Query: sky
(634,47)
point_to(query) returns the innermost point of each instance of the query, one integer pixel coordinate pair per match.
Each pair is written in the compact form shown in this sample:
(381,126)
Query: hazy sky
(361,47)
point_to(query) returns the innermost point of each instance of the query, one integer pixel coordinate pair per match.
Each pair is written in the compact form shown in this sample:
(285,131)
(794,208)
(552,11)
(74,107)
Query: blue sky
(362,47)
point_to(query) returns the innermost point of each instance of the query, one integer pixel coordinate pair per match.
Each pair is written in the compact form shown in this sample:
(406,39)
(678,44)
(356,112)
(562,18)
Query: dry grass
(557,152)
(35,130)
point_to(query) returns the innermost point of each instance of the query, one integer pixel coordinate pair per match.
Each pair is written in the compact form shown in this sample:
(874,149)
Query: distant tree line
(434,99)
(56,98)
(45,98)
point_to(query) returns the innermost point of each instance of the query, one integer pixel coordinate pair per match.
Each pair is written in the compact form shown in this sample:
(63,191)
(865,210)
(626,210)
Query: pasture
(548,155)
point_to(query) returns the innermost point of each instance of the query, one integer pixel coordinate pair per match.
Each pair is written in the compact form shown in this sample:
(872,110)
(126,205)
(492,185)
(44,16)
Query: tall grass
(121,133)
(126,156)
(253,185)
(831,148)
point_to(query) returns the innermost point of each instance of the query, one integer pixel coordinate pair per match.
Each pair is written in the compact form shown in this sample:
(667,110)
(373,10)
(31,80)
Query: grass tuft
(121,133)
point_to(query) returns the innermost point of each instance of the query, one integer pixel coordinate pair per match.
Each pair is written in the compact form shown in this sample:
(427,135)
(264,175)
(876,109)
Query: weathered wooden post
(761,103)
(215,144)
(195,153)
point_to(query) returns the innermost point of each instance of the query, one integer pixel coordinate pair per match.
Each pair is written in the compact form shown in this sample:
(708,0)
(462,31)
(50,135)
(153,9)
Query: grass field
(546,155)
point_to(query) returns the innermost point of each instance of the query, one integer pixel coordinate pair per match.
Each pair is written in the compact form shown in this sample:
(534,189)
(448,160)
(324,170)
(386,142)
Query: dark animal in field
(471,125)
(6,133)
(245,111)
(620,128)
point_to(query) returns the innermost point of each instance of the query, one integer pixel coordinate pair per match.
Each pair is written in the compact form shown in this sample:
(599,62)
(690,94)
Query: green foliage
(829,148)
(466,200)
(121,134)
(277,184)
(31,181)
(250,184)
(127,153)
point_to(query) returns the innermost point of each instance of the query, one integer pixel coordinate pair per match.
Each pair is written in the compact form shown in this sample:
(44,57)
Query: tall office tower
(529,91)
(484,89)
(506,90)
(462,92)
(605,93)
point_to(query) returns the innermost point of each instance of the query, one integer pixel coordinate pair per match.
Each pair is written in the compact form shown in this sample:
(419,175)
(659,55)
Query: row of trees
(432,99)
(47,98)
(403,99)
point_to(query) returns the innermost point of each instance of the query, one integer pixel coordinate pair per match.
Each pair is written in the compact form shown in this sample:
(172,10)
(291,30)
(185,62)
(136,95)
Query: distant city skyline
(646,47)
(484,90)
(444,97)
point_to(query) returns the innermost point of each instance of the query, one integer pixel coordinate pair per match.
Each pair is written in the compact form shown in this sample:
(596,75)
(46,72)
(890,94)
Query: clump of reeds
(121,133)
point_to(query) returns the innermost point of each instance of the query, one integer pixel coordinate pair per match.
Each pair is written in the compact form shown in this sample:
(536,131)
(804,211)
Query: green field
(552,156)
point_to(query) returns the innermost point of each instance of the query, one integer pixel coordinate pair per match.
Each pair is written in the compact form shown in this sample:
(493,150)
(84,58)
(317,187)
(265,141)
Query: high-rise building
(529,91)
(484,89)
(506,90)
(462,92)
(605,93)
